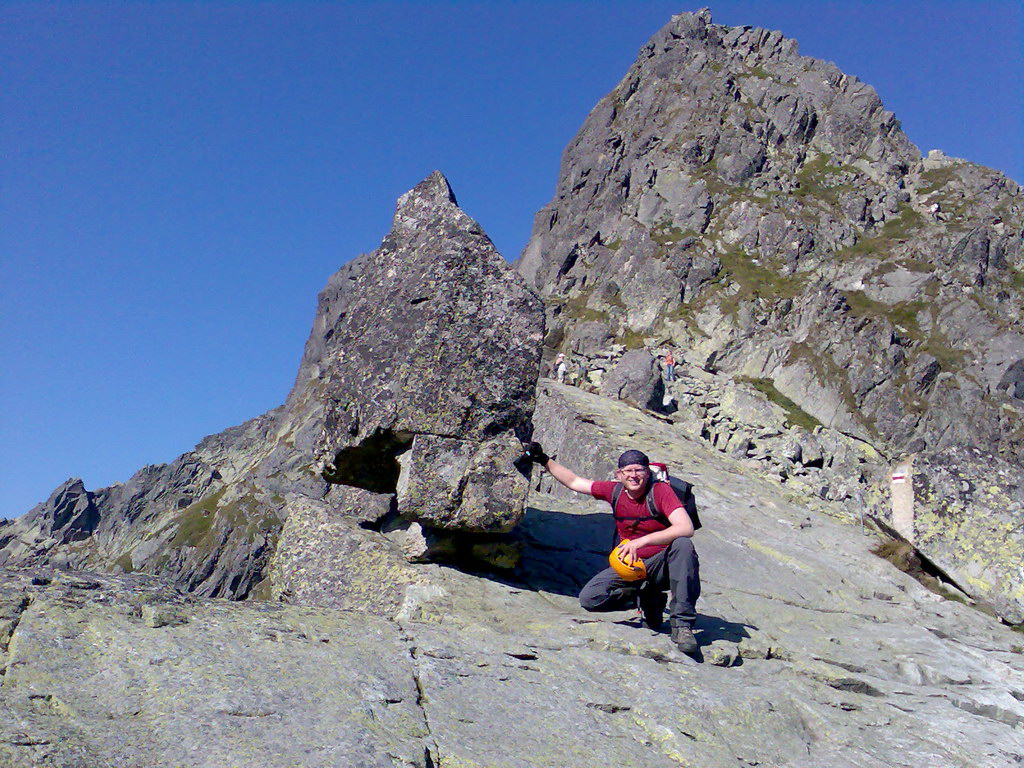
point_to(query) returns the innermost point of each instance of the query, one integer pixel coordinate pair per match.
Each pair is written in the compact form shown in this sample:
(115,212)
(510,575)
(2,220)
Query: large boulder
(426,381)
(68,515)
(431,370)
(636,379)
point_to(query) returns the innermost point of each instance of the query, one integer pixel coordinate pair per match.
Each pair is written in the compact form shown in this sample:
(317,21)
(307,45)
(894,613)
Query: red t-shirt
(664,497)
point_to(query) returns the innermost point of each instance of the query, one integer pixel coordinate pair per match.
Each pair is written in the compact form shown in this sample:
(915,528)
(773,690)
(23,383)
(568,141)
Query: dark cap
(634,457)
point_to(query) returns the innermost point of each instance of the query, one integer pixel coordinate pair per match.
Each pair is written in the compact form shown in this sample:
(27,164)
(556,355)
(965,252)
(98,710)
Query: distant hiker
(664,545)
(560,368)
(581,373)
(670,366)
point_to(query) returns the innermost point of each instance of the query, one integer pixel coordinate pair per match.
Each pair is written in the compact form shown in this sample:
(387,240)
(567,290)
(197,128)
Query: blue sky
(178,180)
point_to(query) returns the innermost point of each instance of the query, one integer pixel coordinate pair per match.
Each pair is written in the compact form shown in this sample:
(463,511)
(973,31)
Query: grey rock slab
(325,558)
(89,683)
(794,599)
(898,285)
(530,707)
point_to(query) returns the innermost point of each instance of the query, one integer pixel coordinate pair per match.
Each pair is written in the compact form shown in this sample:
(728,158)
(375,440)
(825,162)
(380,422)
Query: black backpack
(682,489)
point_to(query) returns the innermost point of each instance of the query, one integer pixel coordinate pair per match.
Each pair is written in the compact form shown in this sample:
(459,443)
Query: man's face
(633,477)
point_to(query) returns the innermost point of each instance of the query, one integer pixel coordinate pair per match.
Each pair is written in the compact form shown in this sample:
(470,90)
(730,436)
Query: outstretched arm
(568,478)
(564,475)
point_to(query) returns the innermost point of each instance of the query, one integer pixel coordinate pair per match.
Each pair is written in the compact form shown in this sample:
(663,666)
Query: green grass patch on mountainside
(249,518)
(754,280)
(828,372)
(666,233)
(903,314)
(915,265)
(631,339)
(245,517)
(686,313)
(717,187)
(905,558)
(795,415)
(577,309)
(821,180)
(903,225)
(758,72)
(1014,277)
(865,246)
(938,346)
(195,521)
(936,179)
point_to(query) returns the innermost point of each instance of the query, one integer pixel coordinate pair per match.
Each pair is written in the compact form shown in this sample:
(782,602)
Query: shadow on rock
(562,551)
(711,628)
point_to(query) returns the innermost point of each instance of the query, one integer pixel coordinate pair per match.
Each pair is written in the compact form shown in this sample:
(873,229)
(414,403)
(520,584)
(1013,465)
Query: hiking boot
(652,607)
(682,636)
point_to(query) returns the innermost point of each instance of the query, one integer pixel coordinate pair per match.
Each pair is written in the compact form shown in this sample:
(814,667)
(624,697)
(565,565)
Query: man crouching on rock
(666,550)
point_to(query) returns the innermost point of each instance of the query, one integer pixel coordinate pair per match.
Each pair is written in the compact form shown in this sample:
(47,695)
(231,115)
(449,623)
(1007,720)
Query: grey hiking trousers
(676,568)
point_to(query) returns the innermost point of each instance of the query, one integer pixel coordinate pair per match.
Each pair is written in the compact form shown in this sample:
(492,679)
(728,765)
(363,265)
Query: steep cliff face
(399,378)
(764,213)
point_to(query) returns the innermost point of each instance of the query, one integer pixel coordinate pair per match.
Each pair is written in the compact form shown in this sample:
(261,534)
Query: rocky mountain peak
(433,191)
(432,200)
(70,513)
(763,211)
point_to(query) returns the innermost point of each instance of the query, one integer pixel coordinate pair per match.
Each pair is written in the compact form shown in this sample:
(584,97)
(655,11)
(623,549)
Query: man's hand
(535,453)
(631,548)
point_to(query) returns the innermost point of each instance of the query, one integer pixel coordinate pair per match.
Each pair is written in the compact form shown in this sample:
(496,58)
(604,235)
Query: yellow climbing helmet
(628,569)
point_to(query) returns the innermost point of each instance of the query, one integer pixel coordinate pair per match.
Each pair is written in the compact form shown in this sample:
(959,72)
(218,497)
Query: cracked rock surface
(814,652)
